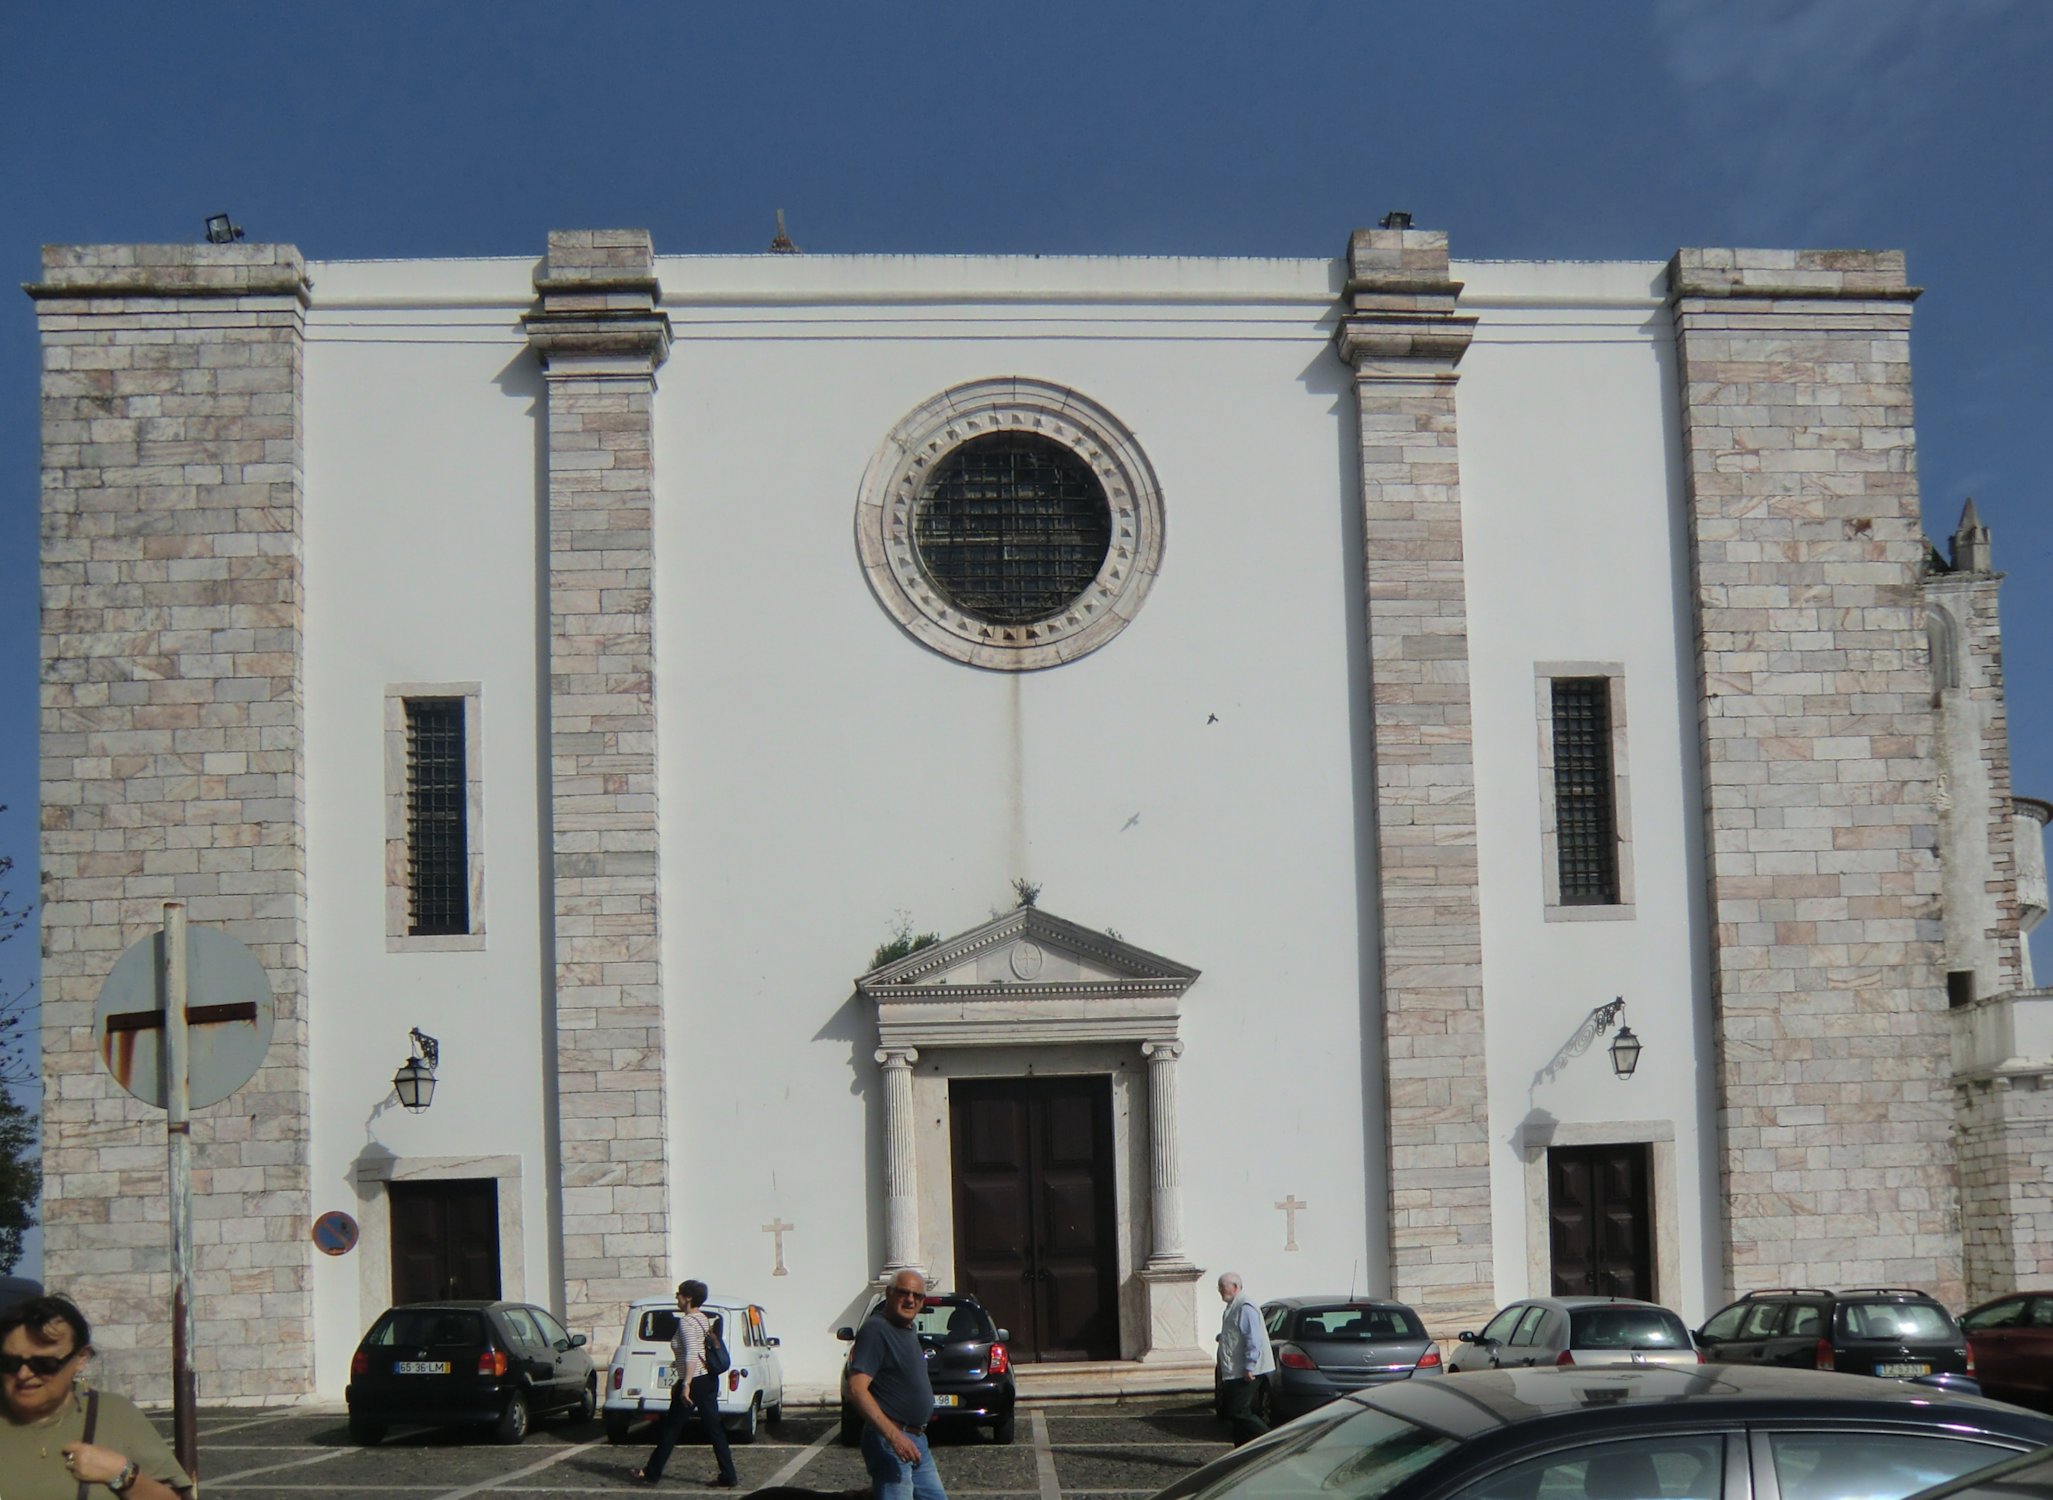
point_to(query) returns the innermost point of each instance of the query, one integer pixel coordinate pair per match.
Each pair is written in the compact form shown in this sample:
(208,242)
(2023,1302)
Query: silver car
(1577,1331)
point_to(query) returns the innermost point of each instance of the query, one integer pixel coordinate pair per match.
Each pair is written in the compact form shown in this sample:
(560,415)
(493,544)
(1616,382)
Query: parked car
(1624,1432)
(498,1365)
(638,1387)
(2011,1339)
(2029,1477)
(1328,1346)
(1892,1332)
(967,1364)
(1577,1331)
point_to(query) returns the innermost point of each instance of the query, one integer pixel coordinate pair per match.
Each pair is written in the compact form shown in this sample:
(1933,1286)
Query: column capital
(1400,320)
(1162,1049)
(600,311)
(897,1057)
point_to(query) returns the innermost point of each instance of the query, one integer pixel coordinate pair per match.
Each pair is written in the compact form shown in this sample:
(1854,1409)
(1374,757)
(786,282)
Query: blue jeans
(891,1478)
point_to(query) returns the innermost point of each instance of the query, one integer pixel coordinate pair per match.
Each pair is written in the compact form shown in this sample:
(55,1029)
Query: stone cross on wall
(776,1228)
(1290,1204)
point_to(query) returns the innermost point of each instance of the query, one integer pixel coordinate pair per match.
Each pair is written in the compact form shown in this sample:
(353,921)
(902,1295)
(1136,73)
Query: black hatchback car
(967,1364)
(1892,1332)
(496,1365)
(1624,1432)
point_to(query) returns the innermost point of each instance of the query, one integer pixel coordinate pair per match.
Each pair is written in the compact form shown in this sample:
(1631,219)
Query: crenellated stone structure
(1820,769)
(173,768)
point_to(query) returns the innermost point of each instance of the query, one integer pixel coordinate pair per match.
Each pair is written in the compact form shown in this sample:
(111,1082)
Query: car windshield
(1357,1323)
(1344,1450)
(950,1320)
(1626,1328)
(1897,1320)
(428,1327)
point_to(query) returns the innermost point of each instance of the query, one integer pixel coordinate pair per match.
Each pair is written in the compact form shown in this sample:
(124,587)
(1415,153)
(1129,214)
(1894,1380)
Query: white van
(638,1388)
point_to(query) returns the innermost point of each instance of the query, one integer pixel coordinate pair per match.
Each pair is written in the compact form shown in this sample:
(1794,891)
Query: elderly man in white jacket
(1244,1358)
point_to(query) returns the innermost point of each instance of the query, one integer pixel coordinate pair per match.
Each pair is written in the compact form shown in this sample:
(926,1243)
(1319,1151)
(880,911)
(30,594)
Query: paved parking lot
(1064,1451)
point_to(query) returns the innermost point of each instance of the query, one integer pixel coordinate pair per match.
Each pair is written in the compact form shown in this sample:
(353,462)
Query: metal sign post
(180,1057)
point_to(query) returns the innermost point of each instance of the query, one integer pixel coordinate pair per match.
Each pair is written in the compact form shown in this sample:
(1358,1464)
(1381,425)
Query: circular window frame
(907,458)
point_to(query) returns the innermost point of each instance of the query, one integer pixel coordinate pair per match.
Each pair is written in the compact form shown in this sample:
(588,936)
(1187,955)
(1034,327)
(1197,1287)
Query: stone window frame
(397,938)
(1555,909)
(898,471)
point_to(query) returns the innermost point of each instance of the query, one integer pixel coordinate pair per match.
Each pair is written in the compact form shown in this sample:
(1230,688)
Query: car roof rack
(1885,1291)
(1784,1291)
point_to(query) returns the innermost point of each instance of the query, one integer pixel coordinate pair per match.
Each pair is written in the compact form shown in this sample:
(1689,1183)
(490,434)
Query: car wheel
(744,1431)
(851,1428)
(774,1412)
(512,1425)
(370,1434)
(1002,1429)
(587,1401)
(617,1425)
(1263,1403)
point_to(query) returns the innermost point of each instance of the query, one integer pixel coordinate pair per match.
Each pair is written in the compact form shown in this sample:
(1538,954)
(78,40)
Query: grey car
(1328,1346)
(1577,1331)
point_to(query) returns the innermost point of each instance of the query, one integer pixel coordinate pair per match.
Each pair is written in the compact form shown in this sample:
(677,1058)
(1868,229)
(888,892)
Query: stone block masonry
(173,768)
(601,337)
(1818,743)
(1403,338)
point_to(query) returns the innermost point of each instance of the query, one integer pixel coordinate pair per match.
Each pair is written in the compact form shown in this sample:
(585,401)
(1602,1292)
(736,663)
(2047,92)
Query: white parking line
(293,1463)
(535,1468)
(805,1456)
(1044,1459)
(258,1421)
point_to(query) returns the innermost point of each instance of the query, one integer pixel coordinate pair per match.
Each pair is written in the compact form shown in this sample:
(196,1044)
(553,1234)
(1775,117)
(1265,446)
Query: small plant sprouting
(902,941)
(1026,890)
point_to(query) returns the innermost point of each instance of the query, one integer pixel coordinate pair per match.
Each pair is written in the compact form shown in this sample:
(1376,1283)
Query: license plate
(421,1367)
(948,1400)
(662,1376)
(1899,1371)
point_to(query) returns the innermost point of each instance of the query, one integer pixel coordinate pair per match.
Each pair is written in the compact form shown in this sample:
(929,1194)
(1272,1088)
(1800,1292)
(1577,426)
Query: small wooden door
(1601,1225)
(445,1239)
(1034,1211)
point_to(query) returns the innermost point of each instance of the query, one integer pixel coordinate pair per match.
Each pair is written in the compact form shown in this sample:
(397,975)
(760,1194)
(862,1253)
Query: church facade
(1072,774)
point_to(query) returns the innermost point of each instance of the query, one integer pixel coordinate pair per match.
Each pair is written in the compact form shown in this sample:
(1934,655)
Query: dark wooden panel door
(445,1239)
(1034,1211)
(1600,1221)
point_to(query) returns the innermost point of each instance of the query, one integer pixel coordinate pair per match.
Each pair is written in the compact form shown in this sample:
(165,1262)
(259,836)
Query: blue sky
(1593,131)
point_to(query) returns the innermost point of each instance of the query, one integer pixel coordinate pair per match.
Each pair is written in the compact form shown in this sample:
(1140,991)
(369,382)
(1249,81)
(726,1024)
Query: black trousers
(705,1399)
(1238,1396)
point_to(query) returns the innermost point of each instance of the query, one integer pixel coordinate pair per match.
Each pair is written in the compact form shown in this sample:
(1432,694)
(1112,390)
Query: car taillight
(1825,1359)
(1001,1361)
(619,1376)
(1565,1359)
(1295,1359)
(1700,1357)
(1430,1360)
(734,1379)
(492,1362)
(1971,1359)
(360,1364)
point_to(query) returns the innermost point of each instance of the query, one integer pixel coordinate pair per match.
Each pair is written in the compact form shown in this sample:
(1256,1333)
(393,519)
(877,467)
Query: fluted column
(1165,1168)
(901,1165)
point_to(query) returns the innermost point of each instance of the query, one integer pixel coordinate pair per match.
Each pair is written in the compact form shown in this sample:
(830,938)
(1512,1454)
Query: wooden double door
(445,1239)
(1600,1222)
(1034,1211)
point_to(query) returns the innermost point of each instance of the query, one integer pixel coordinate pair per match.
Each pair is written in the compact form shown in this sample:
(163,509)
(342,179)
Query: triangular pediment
(1027,976)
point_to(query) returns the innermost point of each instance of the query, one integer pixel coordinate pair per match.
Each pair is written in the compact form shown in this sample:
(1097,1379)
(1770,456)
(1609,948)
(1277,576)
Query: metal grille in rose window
(1585,818)
(437,835)
(1012,527)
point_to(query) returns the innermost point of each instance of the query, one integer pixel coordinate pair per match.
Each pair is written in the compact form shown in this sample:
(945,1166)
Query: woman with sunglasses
(45,1453)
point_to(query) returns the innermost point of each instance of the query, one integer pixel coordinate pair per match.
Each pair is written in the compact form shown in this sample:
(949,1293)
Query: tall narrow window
(437,819)
(1585,815)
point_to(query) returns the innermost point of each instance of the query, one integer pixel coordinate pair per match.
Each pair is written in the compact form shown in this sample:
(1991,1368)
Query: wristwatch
(123,1482)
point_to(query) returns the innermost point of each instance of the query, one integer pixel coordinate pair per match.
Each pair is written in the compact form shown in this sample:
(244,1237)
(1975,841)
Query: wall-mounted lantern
(1625,1047)
(414,1083)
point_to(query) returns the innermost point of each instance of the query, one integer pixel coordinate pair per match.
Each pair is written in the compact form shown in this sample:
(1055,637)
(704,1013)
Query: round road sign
(228,1017)
(335,1233)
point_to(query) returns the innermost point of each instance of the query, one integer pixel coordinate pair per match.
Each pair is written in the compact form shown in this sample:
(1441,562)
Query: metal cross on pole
(179,1056)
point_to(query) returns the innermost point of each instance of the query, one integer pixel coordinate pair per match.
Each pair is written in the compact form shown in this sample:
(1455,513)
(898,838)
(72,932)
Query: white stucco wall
(822,772)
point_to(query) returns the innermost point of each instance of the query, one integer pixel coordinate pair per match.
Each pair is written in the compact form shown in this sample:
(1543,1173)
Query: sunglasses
(42,1364)
(899,1291)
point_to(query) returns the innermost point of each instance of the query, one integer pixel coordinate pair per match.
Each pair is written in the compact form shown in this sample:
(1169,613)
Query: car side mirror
(1004,1334)
(1467,1336)
(846,1335)
(578,1341)
(772,1340)
(1696,1337)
